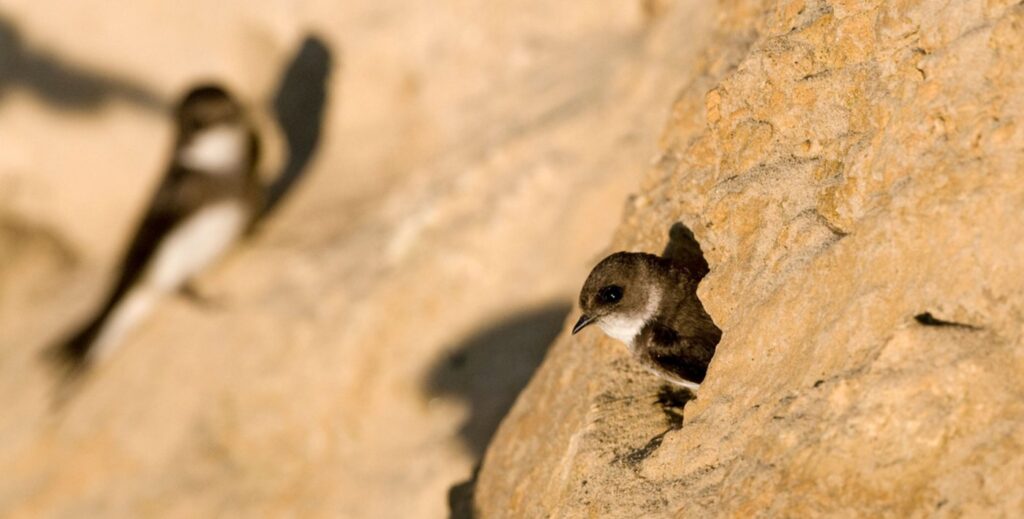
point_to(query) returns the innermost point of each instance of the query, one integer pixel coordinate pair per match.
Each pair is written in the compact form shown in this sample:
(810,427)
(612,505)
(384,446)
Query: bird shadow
(298,106)
(61,83)
(488,370)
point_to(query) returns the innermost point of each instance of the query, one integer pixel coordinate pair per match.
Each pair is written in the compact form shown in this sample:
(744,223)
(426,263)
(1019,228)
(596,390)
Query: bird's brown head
(214,135)
(206,106)
(620,295)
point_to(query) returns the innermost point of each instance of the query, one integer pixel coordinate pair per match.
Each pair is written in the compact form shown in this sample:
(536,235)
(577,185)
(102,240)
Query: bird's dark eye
(609,295)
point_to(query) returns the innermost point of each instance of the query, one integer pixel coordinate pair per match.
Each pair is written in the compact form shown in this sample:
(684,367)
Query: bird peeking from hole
(204,204)
(650,304)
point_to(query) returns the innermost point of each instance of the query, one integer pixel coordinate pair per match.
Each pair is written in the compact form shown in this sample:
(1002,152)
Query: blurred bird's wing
(167,207)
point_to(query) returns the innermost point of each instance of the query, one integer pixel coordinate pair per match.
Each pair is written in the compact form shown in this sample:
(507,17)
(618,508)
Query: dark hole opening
(927,319)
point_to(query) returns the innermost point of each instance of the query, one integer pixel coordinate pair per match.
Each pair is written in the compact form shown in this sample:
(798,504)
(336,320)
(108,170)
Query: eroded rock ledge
(846,166)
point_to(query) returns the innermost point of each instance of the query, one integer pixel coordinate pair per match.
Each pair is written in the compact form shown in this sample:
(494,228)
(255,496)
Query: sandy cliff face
(846,166)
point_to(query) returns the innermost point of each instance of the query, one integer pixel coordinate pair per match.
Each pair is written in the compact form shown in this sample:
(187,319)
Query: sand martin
(650,304)
(205,202)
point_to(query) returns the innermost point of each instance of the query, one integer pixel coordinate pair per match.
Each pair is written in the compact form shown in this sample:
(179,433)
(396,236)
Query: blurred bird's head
(206,106)
(214,134)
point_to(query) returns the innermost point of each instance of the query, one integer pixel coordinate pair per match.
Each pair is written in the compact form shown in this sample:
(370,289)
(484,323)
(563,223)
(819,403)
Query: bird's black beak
(582,323)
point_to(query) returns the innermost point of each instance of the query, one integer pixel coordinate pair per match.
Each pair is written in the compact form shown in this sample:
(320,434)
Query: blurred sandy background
(473,161)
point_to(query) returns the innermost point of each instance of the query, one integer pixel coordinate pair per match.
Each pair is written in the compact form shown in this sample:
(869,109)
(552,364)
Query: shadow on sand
(298,104)
(488,370)
(60,83)
(299,109)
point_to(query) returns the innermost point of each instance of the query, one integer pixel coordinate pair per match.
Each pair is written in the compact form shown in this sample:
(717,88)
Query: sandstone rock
(846,166)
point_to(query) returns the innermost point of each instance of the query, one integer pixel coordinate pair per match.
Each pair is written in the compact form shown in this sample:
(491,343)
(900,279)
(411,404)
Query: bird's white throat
(215,150)
(625,327)
(622,328)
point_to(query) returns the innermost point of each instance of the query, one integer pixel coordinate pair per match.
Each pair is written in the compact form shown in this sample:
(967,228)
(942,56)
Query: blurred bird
(206,201)
(650,304)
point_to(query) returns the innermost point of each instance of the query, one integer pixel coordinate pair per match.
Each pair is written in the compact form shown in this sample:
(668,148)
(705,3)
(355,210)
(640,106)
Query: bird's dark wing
(173,201)
(687,356)
(168,206)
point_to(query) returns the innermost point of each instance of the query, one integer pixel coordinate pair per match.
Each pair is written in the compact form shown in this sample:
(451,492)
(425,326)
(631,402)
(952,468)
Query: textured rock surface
(474,161)
(846,166)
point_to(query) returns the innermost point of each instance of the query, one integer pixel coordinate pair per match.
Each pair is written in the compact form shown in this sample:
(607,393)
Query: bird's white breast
(189,248)
(196,243)
(215,150)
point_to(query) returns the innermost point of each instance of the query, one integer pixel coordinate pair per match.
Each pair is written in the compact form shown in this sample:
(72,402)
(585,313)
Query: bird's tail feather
(70,356)
(70,359)
(97,339)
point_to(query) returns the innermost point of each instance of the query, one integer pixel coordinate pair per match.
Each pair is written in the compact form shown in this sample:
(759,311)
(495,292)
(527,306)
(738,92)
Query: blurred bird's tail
(70,358)
(71,355)
(98,337)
